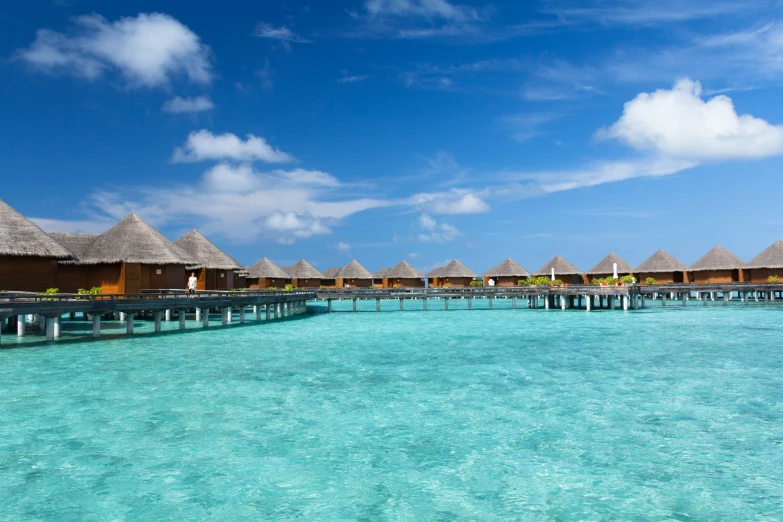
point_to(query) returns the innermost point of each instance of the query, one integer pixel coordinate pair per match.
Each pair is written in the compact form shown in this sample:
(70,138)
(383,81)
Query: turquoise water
(663,414)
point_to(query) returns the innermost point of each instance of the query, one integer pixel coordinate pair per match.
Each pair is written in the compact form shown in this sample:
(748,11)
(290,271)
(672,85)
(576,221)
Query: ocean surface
(661,414)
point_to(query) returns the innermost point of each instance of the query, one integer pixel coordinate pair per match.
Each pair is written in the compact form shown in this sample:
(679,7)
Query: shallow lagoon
(662,414)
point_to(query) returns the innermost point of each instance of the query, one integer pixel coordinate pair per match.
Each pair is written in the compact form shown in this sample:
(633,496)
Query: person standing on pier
(192,283)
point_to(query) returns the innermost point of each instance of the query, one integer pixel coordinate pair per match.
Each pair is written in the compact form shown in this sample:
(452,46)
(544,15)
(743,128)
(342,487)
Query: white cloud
(292,226)
(648,13)
(420,8)
(352,79)
(435,232)
(148,50)
(678,123)
(343,248)
(203,145)
(282,33)
(414,255)
(455,201)
(178,105)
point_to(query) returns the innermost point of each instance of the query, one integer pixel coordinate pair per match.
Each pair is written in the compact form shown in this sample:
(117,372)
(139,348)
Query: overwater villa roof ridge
(354,270)
(266,269)
(304,270)
(508,268)
(380,274)
(435,272)
(606,266)
(456,269)
(22,238)
(78,244)
(661,261)
(331,273)
(561,266)
(718,258)
(404,270)
(205,253)
(771,257)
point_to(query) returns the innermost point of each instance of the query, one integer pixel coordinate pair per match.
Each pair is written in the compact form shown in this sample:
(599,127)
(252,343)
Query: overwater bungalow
(377,277)
(28,256)
(432,276)
(240,277)
(717,266)
(130,257)
(564,271)
(455,274)
(605,268)
(303,275)
(663,267)
(354,275)
(767,264)
(330,277)
(214,269)
(403,275)
(507,273)
(265,274)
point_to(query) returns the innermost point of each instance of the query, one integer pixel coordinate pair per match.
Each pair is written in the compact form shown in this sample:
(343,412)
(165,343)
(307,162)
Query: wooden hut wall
(504,281)
(306,283)
(70,278)
(715,276)
(354,283)
(400,283)
(761,275)
(329,283)
(27,274)
(239,281)
(221,282)
(664,277)
(454,282)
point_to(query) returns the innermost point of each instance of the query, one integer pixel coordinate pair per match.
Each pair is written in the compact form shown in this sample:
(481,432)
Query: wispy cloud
(526,126)
(435,232)
(204,145)
(352,79)
(282,34)
(178,105)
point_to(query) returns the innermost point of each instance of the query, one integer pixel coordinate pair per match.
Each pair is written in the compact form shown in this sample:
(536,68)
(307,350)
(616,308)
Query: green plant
(627,279)
(651,281)
(773,279)
(477,283)
(597,281)
(271,288)
(288,288)
(522,282)
(557,282)
(232,293)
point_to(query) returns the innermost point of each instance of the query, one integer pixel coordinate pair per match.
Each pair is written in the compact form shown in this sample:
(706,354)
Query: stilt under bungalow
(28,256)
(605,268)
(564,271)
(663,268)
(717,266)
(354,275)
(508,273)
(214,269)
(456,275)
(265,275)
(768,263)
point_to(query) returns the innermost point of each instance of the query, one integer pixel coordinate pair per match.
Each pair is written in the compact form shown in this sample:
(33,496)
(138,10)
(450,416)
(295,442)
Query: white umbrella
(553,273)
(614,265)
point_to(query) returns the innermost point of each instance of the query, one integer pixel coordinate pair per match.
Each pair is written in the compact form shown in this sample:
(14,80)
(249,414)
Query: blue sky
(383,130)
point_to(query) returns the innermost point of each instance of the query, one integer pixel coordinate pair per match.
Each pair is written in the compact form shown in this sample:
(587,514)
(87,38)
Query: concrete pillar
(705,299)
(589,303)
(744,297)
(49,329)
(490,303)
(205,318)
(241,315)
(513,303)
(684,299)
(756,295)
(158,316)
(41,323)
(224,316)
(168,315)
(378,305)
(625,303)
(123,316)
(643,300)
(563,302)
(611,302)
(725,298)
(20,325)
(129,324)
(277,310)
(354,304)
(198,314)
(57,326)
(257,310)
(401,300)
(424,304)
(446,304)
(96,326)
(470,303)
(546,302)
(230,314)
(181,318)
(329,305)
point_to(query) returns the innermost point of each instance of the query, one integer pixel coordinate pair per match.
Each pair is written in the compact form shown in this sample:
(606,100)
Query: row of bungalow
(133,256)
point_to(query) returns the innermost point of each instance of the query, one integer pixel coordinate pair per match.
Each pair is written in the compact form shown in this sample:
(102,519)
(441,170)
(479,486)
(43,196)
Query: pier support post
(378,305)
(198,314)
(224,316)
(49,329)
(589,303)
(268,311)
(57,326)
(241,315)
(354,304)
(158,316)
(96,326)
(168,316)
(705,299)
(401,300)
(756,295)
(513,303)
(663,299)
(257,309)
(725,298)
(129,324)
(625,303)
(684,300)
(490,303)
(329,306)
(470,303)
(205,318)
(424,303)
(745,297)
(766,298)
(563,303)
(546,302)
(446,304)
(123,317)
(610,299)
(20,325)
(230,314)
(181,318)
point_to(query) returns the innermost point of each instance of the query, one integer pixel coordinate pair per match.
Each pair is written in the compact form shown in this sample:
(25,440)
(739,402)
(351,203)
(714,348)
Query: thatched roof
(403,270)
(456,269)
(435,272)
(134,241)
(331,273)
(77,244)
(718,259)
(380,274)
(772,257)
(304,270)
(561,266)
(267,269)
(21,237)
(508,268)
(661,261)
(354,270)
(205,254)
(606,266)
(243,272)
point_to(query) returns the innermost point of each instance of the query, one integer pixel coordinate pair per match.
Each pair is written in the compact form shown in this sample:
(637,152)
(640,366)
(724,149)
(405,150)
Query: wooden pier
(48,310)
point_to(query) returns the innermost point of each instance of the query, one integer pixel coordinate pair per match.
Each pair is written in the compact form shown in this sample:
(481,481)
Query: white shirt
(192,283)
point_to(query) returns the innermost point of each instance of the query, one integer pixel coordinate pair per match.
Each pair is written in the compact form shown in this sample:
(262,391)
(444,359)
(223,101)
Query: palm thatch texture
(380,274)
(304,270)
(403,270)
(21,237)
(331,273)
(456,269)
(508,268)
(265,269)
(561,266)
(718,259)
(661,262)
(205,253)
(435,272)
(354,270)
(78,245)
(772,257)
(134,241)
(606,266)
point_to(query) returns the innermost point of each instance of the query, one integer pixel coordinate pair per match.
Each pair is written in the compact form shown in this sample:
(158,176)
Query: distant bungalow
(265,274)
(605,268)
(354,275)
(28,256)
(377,277)
(303,275)
(130,257)
(663,267)
(214,269)
(330,277)
(766,264)
(564,271)
(507,273)
(717,266)
(432,276)
(455,274)
(403,275)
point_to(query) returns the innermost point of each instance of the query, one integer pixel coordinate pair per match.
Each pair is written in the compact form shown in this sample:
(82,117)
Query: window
(158,271)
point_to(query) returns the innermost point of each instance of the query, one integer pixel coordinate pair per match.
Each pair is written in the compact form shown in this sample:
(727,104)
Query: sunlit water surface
(663,414)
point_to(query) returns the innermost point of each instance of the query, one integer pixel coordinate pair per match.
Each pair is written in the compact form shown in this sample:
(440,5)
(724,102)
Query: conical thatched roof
(662,261)
(508,268)
(267,269)
(205,254)
(380,274)
(21,237)
(78,245)
(772,257)
(456,269)
(561,266)
(435,272)
(606,266)
(134,241)
(304,270)
(718,259)
(354,270)
(403,270)
(331,273)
